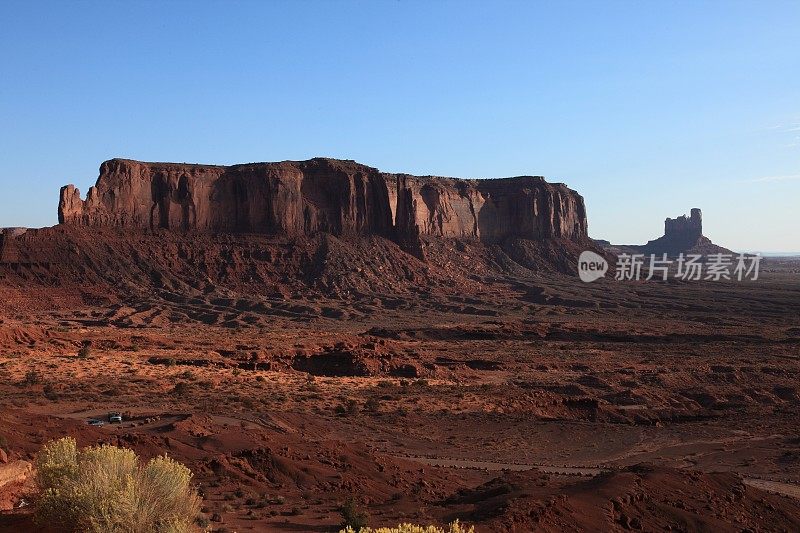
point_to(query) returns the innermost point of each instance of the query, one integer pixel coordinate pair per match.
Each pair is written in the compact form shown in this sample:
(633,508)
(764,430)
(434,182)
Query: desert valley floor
(511,400)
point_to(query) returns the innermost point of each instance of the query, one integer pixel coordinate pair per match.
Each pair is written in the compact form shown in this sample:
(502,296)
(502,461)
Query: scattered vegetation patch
(85,352)
(349,407)
(372,405)
(49,392)
(355,519)
(180,388)
(32,377)
(454,527)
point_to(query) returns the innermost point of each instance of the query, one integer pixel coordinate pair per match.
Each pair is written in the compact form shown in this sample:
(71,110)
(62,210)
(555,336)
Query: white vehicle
(115,418)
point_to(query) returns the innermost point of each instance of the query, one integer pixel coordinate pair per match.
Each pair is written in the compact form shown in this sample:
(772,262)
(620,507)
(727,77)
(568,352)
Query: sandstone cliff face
(491,210)
(322,195)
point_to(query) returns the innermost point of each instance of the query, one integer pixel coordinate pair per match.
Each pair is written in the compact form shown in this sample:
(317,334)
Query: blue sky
(646,108)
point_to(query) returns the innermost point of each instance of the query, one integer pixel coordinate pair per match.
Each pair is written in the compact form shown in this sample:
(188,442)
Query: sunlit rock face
(322,195)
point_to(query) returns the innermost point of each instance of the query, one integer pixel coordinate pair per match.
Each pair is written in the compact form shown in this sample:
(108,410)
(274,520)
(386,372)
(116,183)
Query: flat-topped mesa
(322,195)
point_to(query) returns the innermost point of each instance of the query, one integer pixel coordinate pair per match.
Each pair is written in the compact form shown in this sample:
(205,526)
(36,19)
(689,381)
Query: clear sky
(647,108)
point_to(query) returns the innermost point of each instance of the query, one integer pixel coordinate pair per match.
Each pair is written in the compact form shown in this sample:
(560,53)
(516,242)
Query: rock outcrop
(685,229)
(7,235)
(323,195)
(684,235)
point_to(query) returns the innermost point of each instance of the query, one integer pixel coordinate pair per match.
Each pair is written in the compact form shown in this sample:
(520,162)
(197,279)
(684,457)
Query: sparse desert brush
(372,405)
(348,407)
(180,388)
(32,377)
(85,352)
(207,384)
(355,519)
(50,392)
(105,489)
(454,527)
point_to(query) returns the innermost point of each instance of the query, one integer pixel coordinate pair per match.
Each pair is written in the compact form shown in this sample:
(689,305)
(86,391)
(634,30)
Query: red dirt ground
(292,375)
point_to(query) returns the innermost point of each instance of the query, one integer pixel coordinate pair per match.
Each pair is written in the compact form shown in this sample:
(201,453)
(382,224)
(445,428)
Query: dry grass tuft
(454,527)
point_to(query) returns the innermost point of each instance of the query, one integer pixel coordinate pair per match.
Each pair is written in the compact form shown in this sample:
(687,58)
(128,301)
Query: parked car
(115,418)
(95,422)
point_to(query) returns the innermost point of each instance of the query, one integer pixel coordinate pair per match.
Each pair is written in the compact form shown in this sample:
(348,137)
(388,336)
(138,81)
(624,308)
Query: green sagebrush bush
(455,527)
(105,489)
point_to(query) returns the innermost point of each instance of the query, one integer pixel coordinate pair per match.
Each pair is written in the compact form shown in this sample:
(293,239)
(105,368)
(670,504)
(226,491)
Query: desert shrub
(50,392)
(352,406)
(354,518)
(349,407)
(85,352)
(56,462)
(248,403)
(105,489)
(372,405)
(206,384)
(32,377)
(454,527)
(180,388)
